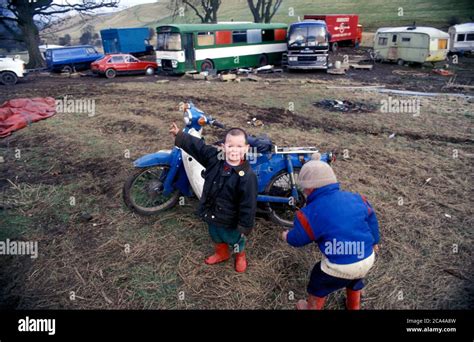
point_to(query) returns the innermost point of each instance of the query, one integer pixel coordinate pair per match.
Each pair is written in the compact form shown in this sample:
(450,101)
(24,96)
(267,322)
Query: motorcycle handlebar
(218,124)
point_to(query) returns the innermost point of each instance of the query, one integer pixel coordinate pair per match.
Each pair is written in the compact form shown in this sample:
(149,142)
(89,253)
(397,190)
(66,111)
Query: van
(71,58)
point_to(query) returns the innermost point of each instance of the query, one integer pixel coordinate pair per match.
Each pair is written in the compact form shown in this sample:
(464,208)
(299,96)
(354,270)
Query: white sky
(123,3)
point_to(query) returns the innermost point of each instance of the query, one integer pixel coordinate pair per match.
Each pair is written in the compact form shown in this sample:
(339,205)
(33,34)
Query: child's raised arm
(194,146)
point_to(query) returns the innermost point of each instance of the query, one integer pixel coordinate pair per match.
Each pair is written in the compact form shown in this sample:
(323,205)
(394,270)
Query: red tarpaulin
(18,113)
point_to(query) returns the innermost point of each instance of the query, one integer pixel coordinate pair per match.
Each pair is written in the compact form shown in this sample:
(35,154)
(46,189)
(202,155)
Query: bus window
(239,36)
(168,42)
(268,35)
(470,37)
(280,34)
(223,37)
(205,38)
(460,37)
(254,36)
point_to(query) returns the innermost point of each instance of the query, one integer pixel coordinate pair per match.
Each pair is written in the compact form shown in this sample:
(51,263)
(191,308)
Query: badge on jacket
(241,173)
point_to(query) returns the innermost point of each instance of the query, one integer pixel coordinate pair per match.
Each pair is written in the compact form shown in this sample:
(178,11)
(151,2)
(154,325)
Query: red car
(115,64)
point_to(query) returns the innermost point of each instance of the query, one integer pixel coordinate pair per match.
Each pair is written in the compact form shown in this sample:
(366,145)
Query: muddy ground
(94,253)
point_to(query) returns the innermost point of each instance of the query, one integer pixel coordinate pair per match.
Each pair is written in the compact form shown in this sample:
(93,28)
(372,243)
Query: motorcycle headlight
(174,63)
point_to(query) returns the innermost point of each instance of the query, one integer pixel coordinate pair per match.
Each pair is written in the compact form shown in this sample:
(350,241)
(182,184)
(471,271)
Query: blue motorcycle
(162,178)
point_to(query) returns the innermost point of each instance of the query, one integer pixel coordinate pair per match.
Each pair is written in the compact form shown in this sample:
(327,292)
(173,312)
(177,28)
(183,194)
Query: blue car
(68,59)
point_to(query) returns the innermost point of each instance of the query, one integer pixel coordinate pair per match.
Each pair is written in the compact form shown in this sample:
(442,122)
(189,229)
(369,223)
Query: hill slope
(373,14)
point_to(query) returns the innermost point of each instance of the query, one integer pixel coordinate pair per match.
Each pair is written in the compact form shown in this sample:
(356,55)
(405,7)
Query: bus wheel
(334,47)
(207,65)
(110,73)
(262,60)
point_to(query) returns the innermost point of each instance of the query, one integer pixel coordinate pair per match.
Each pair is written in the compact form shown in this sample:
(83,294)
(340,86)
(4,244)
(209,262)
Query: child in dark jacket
(344,226)
(229,198)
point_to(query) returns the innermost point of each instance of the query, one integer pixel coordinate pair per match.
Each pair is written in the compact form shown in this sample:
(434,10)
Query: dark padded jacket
(229,197)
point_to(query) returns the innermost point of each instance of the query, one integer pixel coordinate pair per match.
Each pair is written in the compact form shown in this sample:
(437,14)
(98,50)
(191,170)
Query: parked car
(116,64)
(68,59)
(11,69)
(135,41)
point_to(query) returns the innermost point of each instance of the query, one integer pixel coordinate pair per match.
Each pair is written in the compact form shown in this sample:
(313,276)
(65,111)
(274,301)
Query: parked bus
(203,47)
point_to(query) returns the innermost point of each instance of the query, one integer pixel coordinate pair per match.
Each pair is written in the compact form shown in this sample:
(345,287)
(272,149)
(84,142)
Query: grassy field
(373,14)
(107,257)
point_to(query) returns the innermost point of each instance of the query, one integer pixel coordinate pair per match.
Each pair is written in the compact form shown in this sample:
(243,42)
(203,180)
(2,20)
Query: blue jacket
(343,224)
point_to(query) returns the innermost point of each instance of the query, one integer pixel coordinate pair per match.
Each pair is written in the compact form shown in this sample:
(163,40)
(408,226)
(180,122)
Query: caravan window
(470,37)
(460,37)
(383,40)
(394,38)
(406,39)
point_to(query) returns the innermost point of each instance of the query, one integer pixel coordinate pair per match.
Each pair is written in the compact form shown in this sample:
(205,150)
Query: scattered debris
(339,71)
(227,77)
(199,77)
(443,72)
(253,78)
(409,73)
(163,81)
(255,122)
(361,66)
(391,136)
(343,106)
(447,215)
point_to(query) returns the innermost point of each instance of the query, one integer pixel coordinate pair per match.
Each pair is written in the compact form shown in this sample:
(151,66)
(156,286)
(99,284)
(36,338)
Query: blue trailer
(127,40)
(71,58)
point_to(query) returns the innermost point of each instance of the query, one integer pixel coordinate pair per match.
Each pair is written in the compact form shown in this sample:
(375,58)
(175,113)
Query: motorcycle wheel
(142,191)
(280,185)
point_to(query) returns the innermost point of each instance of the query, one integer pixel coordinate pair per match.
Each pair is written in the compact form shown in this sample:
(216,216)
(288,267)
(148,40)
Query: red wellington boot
(313,303)
(353,299)
(222,254)
(240,262)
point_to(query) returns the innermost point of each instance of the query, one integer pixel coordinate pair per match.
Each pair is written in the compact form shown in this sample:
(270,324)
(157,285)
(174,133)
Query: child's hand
(284,235)
(174,129)
(376,248)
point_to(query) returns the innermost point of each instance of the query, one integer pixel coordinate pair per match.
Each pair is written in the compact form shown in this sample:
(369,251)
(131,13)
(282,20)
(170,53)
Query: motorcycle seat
(263,144)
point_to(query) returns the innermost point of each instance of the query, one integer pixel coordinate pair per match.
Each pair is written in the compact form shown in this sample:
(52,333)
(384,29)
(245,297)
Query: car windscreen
(168,42)
(307,35)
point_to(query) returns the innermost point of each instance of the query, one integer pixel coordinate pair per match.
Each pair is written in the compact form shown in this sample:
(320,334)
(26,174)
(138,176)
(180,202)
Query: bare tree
(206,10)
(28,14)
(263,10)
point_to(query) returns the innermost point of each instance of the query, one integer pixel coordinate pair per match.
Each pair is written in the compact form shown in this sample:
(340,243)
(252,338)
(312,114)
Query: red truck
(344,29)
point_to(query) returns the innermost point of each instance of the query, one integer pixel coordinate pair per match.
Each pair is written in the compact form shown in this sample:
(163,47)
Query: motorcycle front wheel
(143,191)
(280,185)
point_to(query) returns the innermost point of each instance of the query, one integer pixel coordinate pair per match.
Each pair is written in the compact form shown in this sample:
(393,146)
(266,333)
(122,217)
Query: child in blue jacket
(344,226)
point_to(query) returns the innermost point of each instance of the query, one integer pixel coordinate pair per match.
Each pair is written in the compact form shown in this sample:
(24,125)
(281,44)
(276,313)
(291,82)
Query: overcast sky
(123,3)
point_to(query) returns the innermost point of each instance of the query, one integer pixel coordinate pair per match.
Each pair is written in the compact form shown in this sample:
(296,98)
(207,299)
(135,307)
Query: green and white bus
(222,46)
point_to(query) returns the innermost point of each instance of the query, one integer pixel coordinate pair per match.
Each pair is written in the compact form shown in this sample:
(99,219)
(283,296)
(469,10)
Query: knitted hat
(316,174)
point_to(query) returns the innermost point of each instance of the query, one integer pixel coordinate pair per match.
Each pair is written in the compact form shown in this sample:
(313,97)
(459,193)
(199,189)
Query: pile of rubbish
(344,106)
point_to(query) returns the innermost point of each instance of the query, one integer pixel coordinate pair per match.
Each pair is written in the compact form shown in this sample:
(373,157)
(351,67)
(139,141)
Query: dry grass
(84,157)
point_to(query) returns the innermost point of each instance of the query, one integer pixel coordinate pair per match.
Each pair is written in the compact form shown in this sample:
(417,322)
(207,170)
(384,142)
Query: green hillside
(373,14)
